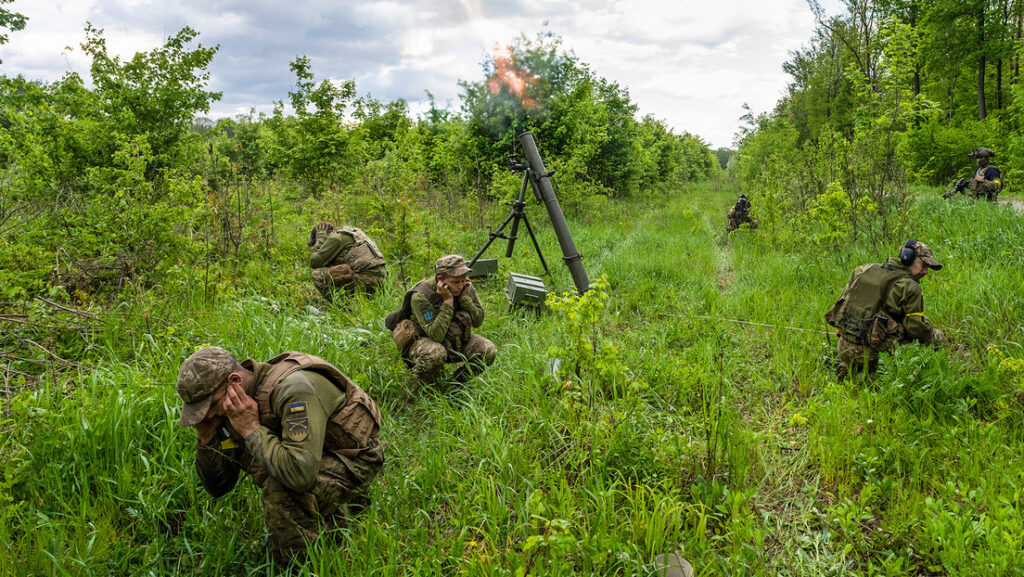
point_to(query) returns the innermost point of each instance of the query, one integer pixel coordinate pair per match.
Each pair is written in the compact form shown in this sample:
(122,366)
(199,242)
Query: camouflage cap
(981,152)
(198,378)
(922,251)
(451,265)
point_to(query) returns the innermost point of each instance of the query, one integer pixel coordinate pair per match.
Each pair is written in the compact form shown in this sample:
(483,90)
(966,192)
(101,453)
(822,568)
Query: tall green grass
(731,443)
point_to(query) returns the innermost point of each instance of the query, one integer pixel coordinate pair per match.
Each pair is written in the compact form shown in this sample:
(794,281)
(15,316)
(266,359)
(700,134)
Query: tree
(155,94)
(11,21)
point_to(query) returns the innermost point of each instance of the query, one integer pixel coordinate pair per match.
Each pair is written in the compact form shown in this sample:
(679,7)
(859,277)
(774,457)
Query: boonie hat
(451,265)
(198,378)
(981,152)
(922,251)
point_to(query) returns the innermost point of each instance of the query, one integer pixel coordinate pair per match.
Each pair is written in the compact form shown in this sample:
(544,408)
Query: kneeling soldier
(305,433)
(882,304)
(344,258)
(434,325)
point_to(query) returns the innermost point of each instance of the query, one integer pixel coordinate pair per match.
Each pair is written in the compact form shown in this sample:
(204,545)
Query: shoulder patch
(429,316)
(297,427)
(299,407)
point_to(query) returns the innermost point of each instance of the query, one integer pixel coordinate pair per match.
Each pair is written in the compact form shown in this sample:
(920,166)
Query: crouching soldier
(305,433)
(435,324)
(739,214)
(881,305)
(344,258)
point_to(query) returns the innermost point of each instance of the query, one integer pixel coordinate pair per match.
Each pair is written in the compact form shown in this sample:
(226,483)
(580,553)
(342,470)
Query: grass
(730,443)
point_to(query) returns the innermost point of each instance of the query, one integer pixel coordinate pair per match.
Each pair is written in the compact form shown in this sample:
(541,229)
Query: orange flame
(506,74)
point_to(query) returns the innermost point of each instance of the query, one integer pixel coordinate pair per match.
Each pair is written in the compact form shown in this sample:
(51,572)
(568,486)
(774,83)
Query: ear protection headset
(907,253)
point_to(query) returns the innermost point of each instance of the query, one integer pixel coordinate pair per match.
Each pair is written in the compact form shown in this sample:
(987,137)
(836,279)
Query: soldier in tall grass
(344,257)
(739,214)
(305,433)
(881,305)
(435,324)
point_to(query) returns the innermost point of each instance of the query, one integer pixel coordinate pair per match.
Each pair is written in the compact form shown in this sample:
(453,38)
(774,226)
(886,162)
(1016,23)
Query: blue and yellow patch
(297,422)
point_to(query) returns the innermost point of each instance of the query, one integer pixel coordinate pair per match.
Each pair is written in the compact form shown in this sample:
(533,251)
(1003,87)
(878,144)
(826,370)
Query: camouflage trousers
(365,280)
(736,222)
(853,358)
(295,519)
(427,357)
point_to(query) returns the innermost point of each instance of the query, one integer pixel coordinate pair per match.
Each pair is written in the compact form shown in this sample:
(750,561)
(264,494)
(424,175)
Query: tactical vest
(364,254)
(349,429)
(460,328)
(856,312)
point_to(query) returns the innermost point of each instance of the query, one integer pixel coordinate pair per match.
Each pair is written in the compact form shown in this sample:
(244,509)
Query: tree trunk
(1016,53)
(981,63)
(999,84)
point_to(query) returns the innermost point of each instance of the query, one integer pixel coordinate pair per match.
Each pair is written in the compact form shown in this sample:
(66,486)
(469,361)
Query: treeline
(886,94)
(126,180)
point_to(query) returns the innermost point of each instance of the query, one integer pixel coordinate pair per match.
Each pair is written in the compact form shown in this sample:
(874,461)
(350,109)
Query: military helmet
(981,152)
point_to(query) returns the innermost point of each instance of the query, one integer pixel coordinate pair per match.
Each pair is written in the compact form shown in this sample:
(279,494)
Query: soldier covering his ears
(305,433)
(435,324)
(344,258)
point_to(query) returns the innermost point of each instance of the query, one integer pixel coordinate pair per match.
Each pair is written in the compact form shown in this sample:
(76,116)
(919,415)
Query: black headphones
(907,253)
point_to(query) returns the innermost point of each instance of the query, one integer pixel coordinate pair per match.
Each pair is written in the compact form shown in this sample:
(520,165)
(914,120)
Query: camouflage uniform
(345,257)
(314,455)
(442,332)
(990,186)
(739,214)
(881,305)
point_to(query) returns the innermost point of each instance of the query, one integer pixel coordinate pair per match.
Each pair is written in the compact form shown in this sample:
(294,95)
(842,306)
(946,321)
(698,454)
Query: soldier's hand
(445,292)
(242,410)
(206,429)
(324,226)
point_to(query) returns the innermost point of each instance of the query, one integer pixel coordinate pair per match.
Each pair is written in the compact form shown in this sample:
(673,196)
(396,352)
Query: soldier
(739,214)
(434,325)
(344,258)
(305,433)
(987,180)
(880,305)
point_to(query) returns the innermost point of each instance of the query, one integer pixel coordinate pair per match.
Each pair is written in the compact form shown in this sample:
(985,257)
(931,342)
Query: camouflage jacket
(903,301)
(298,418)
(433,317)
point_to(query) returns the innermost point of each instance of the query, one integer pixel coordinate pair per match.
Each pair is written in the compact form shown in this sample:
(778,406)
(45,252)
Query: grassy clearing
(731,443)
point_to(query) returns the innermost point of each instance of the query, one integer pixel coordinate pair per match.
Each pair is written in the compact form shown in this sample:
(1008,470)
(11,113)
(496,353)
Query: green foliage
(155,94)
(585,353)
(730,443)
(12,21)
(94,177)
(314,146)
(585,125)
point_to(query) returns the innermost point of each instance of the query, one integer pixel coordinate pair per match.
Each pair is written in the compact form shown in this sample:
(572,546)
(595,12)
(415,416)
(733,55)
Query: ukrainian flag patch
(296,422)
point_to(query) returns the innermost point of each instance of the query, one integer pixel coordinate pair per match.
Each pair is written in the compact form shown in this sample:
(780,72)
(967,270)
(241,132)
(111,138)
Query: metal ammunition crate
(525,290)
(483,267)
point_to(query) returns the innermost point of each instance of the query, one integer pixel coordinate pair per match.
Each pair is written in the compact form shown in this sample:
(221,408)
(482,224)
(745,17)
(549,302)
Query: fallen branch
(64,308)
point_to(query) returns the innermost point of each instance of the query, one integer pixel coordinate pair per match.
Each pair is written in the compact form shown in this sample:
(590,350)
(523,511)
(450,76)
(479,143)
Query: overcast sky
(692,64)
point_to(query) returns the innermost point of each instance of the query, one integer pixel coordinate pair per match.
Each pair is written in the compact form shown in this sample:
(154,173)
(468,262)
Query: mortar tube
(541,182)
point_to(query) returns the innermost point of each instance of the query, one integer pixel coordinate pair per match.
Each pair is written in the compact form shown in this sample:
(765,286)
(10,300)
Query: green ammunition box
(524,290)
(483,267)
